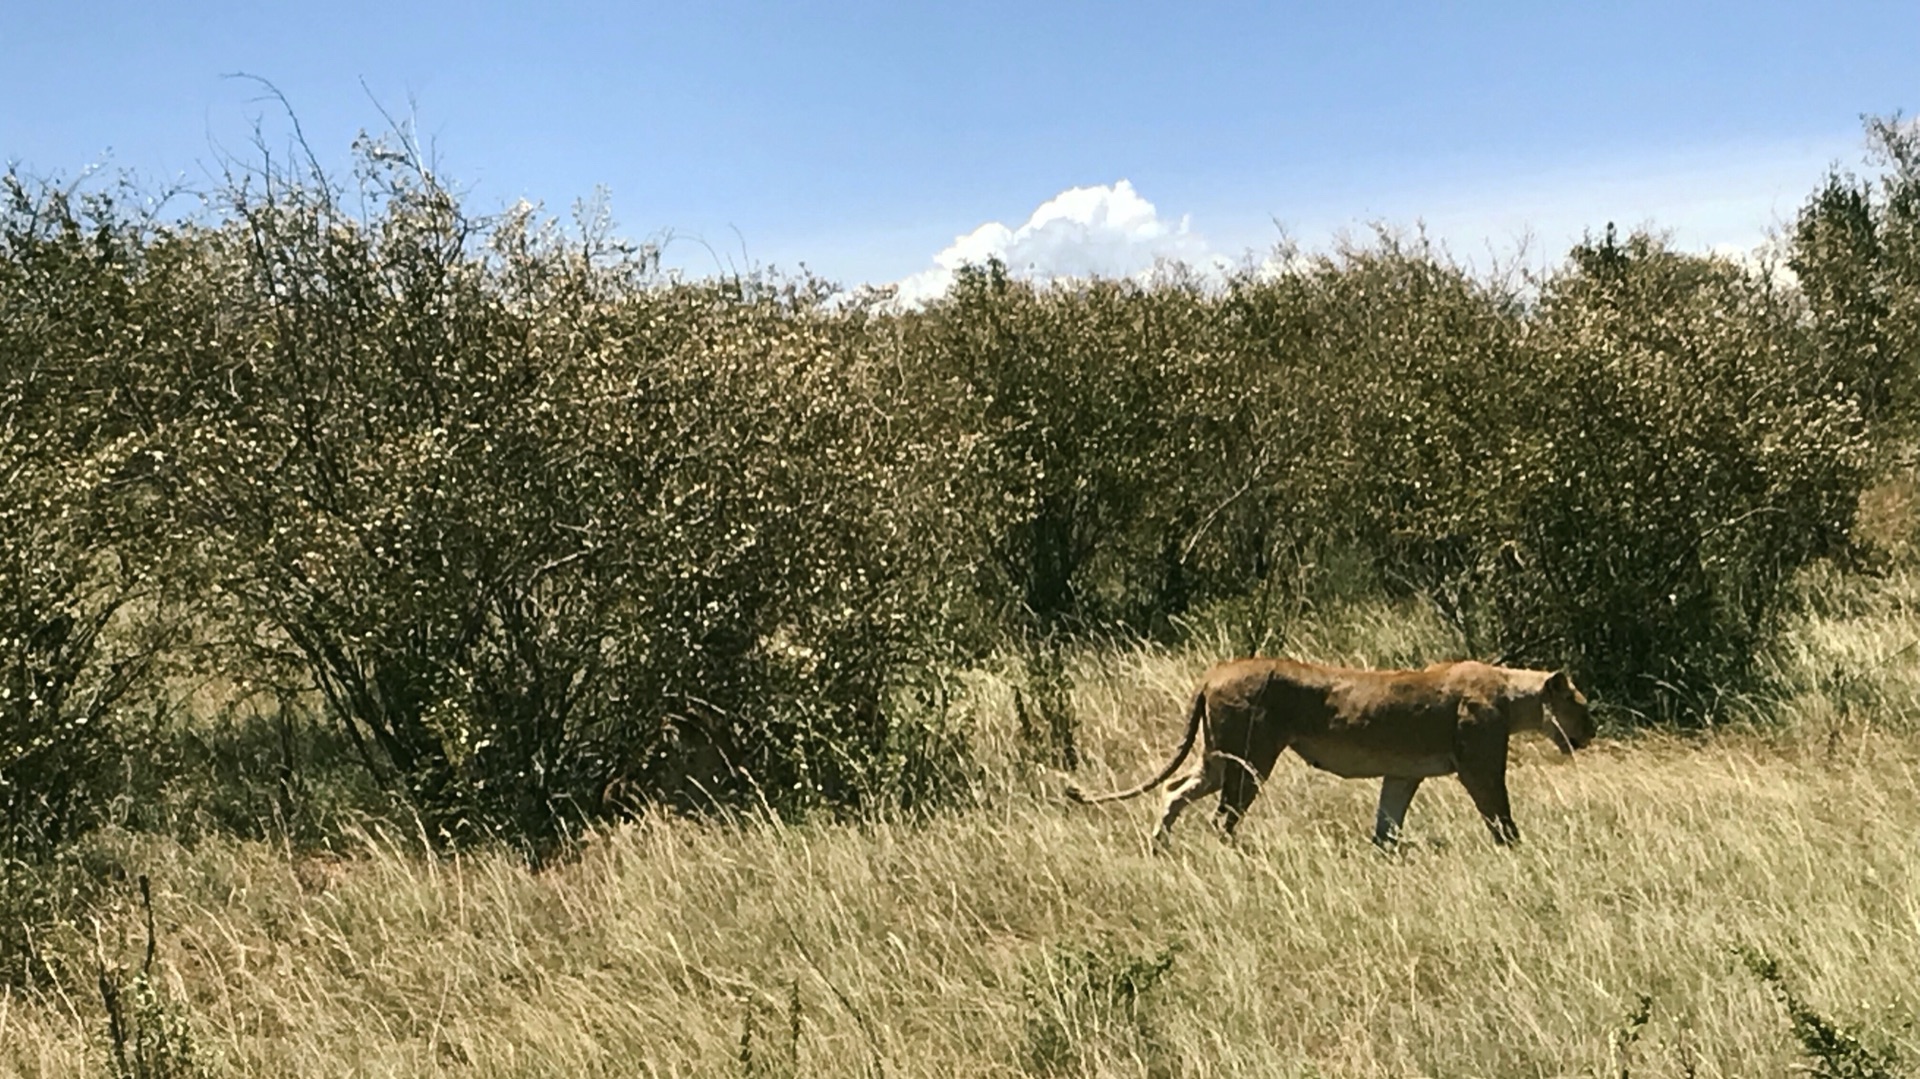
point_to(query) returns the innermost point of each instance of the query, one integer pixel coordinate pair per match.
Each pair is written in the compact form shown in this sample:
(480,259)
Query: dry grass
(974,944)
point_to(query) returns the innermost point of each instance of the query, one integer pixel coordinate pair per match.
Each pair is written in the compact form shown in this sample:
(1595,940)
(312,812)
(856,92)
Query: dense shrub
(554,540)
(1097,406)
(1622,476)
(1687,455)
(81,545)
(1855,251)
(1393,402)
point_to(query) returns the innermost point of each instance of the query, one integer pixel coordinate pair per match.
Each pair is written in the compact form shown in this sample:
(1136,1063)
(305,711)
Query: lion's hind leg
(1248,747)
(1238,788)
(1186,790)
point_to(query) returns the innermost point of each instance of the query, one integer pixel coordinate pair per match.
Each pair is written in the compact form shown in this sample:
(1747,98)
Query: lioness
(1401,725)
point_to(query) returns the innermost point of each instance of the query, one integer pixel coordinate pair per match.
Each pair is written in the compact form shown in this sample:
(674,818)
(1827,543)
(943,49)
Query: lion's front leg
(1396,793)
(1483,771)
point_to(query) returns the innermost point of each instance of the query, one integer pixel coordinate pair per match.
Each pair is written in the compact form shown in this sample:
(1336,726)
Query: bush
(1855,251)
(550,537)
(1096,406)
(1692,454)
(83,547)
(1836,1052)
(1392,390)
(1622,476)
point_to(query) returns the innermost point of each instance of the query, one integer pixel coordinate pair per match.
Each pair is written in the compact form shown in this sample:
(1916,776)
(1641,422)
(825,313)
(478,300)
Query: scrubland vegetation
(439,644)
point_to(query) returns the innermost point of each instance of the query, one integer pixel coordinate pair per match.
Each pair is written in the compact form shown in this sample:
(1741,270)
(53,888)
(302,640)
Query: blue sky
(864,139)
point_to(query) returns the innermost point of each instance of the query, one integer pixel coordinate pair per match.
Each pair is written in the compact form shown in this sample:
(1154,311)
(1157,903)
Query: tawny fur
(1402,726)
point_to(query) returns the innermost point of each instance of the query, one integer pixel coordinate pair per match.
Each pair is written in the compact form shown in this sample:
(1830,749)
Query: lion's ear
(1559,682)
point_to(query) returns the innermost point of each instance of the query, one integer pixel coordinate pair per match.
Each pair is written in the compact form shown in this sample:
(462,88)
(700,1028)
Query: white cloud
(1722,199)
(1106,231)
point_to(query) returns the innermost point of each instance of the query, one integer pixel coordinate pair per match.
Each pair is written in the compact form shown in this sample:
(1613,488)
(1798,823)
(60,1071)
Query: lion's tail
(1194,716)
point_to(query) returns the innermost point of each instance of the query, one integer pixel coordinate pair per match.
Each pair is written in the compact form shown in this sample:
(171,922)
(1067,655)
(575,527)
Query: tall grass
(1028,936)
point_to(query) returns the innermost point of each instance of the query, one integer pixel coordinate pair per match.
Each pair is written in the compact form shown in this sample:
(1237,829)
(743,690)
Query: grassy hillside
(1028,936)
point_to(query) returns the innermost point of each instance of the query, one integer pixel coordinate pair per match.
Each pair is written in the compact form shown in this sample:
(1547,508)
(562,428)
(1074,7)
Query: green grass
(1027,935)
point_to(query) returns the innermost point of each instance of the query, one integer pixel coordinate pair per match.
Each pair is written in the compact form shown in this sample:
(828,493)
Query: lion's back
(1353,721)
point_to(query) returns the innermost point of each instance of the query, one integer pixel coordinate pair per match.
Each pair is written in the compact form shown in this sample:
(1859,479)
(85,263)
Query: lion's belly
(1343,758)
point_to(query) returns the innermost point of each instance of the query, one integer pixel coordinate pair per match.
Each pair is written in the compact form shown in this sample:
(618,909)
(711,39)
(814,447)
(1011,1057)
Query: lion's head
(1564,715)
